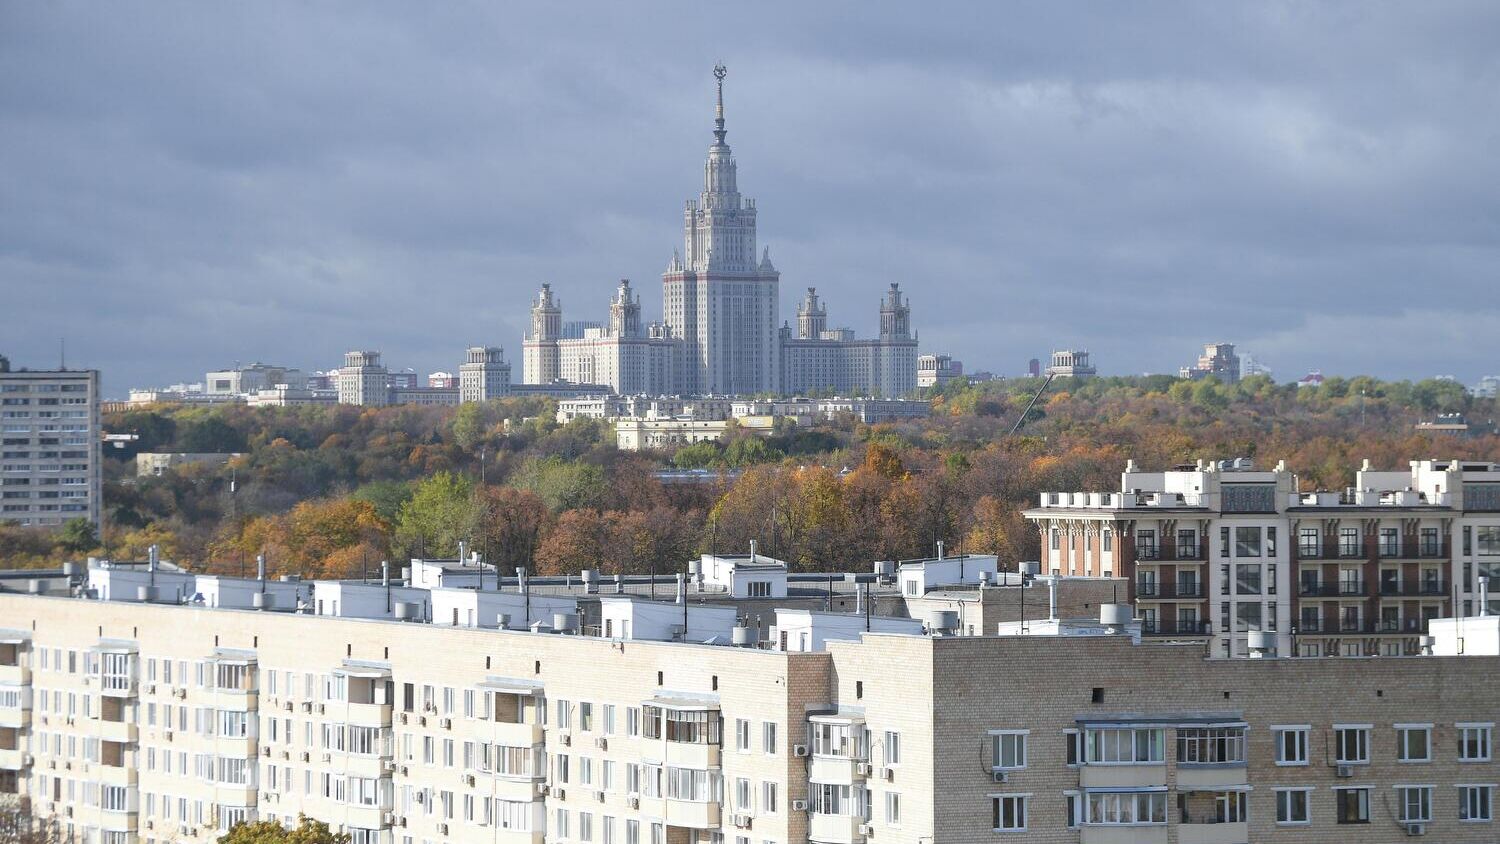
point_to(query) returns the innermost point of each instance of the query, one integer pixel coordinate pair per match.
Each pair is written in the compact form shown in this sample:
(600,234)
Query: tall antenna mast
(720,71)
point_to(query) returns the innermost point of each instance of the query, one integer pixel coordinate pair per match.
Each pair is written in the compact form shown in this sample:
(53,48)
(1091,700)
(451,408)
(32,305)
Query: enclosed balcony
(15,657)
(689,730)
(515,708)
(840,751)
(1212,817)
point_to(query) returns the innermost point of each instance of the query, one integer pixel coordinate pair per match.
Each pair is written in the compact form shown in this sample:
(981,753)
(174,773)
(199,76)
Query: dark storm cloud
(195,184)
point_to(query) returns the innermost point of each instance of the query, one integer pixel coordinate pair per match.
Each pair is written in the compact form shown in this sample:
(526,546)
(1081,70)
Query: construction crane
(1029,405)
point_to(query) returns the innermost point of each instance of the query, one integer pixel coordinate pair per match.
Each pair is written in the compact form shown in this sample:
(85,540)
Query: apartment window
(1187,545)
(742,795)
(1009,749)
(1414,742)
(1010,812)
(1223,542)
(1248,615)
(1352,805)
(1351,744)
(849,741)
(1126,808)
(892,746)
(768,797)
(1476,803)
(1247,542)
(1145,544)
(1247,578)
(1390,542)
(1489,540)
(1210,745)
(609,719)
(1349,542)
(1107,538)
(1291,806)
(586,717)
(1415,803)
(742,734)
(768,737)
(1474,742)
(1054,541)
(1073,740)
(1291,745)
(1125,746)
(892,808)
(632,721)
(1430,547)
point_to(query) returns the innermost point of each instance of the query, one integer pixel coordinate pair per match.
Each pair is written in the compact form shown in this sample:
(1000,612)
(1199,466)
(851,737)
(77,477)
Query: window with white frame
(892,808)
(1476,803)
(849,741)
(1008,749)
(1291,745)
(1414,803)
(892,747)
(1414,742)
(1474,742)
(1010,812)
(1210,745)
(1126,808)
(768,797)
(768,737)
(1351,744)
(741,734)
(1291,806)
(1125,745)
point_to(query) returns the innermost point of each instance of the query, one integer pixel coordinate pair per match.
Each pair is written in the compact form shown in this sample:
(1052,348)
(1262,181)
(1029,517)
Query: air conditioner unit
(327,757)
(67,811)
(866,830)
(799,750)
(287,706)
(388,818)
(544,789)
(306,757)
(405,770)
(560,793)
(633,801)
(799,805)
(742,821)
(421,720)
(68,765)
(404,718)
(421,796)
(266,751)
(322,709)
(565,739)
(888,773)
(27,760)
(599,796)
(1344,771)
(166,735)
(469,780)
(52,763)
(150,824)
(1000,776)
(442,829)
(306,706)
(446,723)
(862,768)
(602,743)
(387,765)
(401,821)
(181,693)
(1416,829)
(150,688)
(184,829)
(286,754)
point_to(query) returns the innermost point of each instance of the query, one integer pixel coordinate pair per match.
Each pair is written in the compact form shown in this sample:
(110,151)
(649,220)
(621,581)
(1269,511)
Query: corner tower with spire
(720,301)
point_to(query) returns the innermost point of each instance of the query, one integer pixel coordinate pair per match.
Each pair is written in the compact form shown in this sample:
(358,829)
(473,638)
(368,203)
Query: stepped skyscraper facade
(721,333)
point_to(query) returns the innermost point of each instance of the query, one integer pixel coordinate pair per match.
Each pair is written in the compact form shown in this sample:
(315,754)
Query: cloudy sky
(185,185)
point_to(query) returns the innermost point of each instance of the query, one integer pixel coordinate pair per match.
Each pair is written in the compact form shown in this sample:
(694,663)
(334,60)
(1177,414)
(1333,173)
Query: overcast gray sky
(190,184)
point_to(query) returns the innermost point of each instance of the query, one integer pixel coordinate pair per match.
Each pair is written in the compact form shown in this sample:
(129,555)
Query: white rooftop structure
(801,631)
(740,575)
(469,573)
(349,599)
(920,576)
(467,607)
(628,617)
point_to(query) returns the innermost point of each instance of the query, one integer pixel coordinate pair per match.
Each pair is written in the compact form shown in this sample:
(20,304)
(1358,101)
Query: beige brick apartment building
(126,721)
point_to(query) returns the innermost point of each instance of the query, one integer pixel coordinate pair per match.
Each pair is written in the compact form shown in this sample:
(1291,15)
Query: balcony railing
(1187,552)
(1147,552)
(1405,625)
(1174,627)
(1342,589)
(1169,590)
(1431,588)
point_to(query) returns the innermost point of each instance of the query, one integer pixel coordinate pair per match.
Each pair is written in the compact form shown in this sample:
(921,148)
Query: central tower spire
(720,71)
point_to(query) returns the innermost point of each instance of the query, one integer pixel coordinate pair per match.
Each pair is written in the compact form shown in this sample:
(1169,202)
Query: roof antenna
(62,354)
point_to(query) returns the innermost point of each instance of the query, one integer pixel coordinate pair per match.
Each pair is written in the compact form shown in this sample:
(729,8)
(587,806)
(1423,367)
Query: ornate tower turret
(812,318)
(625,312)
(895,315)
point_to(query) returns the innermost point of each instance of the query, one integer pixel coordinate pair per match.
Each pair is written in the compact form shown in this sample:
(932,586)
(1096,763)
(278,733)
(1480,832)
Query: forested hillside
(331,491)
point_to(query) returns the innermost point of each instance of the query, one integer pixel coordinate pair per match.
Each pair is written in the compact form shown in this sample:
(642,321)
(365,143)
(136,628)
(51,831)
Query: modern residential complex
(720,334)
(1240,556)
(49,445)
(757,706)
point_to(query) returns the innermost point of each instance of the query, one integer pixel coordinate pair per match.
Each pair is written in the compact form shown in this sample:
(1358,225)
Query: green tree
(210,435)
(468,425)
(307,831)
(561,484)
(437,516)
(387,496)
(78,535)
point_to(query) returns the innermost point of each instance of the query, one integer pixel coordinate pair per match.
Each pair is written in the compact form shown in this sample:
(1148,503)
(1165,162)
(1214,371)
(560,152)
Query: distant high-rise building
(1218,360)
(442,381)
(1071,363)
(485,375)
(251,378)
(1252,365)
(363,380)
(49,420)
(1034,368)
(720,333)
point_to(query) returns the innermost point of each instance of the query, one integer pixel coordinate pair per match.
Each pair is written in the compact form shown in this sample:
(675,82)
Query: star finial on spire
(720,71)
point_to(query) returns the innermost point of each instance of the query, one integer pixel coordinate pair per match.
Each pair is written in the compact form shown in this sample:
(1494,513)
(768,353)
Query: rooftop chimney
(260,566)
(1484,596)
(940,549)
